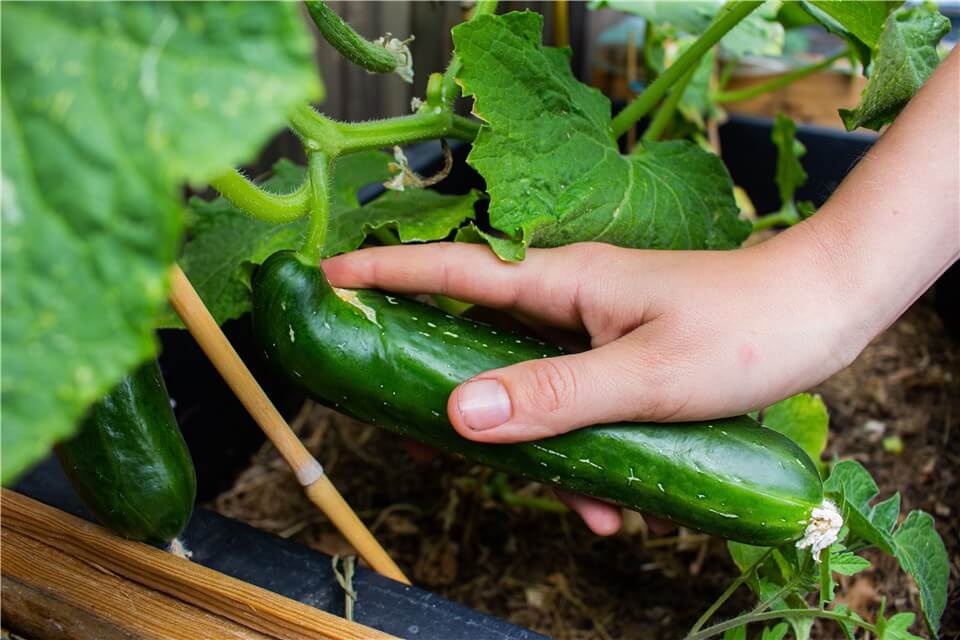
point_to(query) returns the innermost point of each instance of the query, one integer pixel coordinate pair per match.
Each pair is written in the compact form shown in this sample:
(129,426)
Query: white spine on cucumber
(822,530)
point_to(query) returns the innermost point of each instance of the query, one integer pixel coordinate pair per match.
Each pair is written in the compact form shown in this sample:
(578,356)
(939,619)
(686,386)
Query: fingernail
(484,404)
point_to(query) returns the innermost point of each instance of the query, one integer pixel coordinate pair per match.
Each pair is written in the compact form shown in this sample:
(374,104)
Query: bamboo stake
(205,330)
(242,603)
(561,24)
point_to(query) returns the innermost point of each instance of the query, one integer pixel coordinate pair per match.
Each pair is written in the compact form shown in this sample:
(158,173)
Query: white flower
(823,529)
(402,178)
(401,53)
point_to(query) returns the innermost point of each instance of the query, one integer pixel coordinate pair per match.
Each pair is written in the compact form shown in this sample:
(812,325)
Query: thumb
(623,380)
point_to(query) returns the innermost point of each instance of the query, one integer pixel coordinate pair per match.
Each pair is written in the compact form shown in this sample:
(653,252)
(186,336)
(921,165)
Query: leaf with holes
(803,418)
(552,167)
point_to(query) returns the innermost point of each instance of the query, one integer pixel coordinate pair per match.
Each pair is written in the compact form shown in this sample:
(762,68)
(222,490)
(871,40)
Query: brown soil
(545,571)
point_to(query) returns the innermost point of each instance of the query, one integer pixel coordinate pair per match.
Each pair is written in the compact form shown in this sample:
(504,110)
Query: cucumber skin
(129,463)
(393,362)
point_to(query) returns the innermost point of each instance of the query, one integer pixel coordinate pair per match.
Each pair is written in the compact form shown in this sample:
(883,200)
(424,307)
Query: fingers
(605,519)
(602,518)
(627,379)
(544,285)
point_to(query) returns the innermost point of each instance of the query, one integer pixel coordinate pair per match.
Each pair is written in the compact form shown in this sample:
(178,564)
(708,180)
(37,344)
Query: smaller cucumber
(129,463)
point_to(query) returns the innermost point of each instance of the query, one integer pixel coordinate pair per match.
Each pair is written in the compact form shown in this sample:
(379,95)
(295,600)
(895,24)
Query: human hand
(675,335)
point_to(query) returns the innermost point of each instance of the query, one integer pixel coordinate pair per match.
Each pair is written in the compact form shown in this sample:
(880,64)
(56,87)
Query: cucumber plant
(110,108)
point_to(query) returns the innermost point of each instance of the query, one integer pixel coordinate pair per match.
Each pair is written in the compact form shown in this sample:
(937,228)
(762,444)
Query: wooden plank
(49,594)
(214,592)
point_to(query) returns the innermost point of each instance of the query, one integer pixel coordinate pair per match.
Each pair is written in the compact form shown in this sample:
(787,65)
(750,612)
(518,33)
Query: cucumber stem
(318,174)
(786,217)
(258,203)
(450,305)
(741,579)
(509,497)
(775,83)
(664,115)
(787,587)
(345,580)
(339,138)
(749,618)
(727,19)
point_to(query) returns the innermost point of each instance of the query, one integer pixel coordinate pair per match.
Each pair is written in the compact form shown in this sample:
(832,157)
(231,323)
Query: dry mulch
(545,571)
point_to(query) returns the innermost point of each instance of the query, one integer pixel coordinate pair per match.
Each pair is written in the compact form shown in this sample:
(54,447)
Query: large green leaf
(758,34)
(552,166)
(803,418)
(415,215)
(859,22)
(689,17)
(861,18)
(107,108)
(922,554)
(852,485)
(916,543)
(226,244)
(906,56)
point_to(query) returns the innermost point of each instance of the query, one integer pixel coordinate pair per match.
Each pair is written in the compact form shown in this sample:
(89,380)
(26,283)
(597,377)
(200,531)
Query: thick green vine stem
(775,83)
(384,55)
(741,579)
(784,218)
(509,497)
(262,205)
(337,138)
(664,115)
(749,618)
(731,14)
(318,177)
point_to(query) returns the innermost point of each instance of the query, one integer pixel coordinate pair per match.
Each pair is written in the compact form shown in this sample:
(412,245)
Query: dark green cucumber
(393,362)
(129,462)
